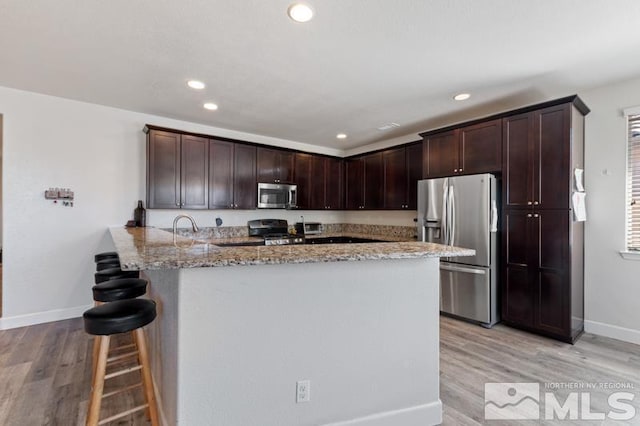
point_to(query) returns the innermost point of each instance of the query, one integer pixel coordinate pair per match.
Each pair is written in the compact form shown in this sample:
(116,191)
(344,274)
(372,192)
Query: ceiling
(358,65)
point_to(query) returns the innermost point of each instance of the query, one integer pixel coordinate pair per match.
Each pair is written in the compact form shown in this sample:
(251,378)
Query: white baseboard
(419,415)
(615,332)
(42,317)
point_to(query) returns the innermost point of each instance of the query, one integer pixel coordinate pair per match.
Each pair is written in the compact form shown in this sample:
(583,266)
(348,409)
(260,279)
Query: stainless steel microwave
(277,196)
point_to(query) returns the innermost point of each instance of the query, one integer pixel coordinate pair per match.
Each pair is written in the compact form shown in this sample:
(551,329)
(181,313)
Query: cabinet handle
(535,203)
(529,215)
(455,170)
(529,203)
(177,204)
(536,215)
(460,170)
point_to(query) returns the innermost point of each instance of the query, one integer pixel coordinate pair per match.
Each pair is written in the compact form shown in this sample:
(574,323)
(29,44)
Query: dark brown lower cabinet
(542,279)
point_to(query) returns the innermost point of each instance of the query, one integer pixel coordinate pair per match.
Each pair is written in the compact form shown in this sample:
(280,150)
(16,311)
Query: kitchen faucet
(175,225)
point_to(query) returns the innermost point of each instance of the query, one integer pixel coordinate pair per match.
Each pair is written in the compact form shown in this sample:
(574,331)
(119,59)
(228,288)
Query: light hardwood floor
(45,372)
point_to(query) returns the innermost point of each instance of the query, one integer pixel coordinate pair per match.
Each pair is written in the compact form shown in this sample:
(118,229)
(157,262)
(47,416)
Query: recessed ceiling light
(195,84)
(341,136)
(210,106)
(462,97)
(300,12)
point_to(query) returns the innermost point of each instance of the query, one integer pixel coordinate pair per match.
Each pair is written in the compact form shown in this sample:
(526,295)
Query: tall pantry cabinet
(542,245)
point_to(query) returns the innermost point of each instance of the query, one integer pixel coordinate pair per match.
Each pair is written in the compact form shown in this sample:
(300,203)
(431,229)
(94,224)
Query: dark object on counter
(140,215)
(130,224)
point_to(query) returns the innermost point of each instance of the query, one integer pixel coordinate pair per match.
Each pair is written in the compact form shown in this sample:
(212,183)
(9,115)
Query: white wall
(99,153)
(612,284)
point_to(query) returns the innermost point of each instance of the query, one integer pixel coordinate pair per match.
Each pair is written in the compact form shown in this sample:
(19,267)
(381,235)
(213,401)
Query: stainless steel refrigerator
(462,211)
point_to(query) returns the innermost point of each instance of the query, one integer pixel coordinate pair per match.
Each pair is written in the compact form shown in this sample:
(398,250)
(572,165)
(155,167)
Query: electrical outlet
(303,391)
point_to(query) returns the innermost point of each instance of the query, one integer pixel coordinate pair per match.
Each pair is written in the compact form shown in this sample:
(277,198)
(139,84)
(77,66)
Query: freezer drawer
(465,291)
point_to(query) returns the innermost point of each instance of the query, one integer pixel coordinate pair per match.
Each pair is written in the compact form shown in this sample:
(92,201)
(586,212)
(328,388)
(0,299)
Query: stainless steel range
(275,232)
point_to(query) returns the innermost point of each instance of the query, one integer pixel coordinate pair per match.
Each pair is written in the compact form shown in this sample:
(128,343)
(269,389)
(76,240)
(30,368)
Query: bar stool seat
(120,289)
(114,274)
(106,255)
(112,262)
(119,317)
(112,318)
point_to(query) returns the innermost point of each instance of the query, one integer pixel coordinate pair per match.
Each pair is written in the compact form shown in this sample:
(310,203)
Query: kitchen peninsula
(238,327)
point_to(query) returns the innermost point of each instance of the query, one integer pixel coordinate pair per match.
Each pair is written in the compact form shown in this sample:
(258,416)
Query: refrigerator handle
(452,216)
(445,217)
(494,217)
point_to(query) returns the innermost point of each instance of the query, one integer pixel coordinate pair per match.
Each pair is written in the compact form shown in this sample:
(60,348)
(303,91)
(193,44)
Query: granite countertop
(152,248)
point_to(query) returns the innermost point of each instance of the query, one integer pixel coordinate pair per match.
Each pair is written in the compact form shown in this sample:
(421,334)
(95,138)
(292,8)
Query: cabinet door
(517,294)
(285,166)
(268,163)
(244,177)
(551,286)
(275,165)
(517,161)
(302,178)
(221,174)
(481,148)
(551,165)
(355,184)
(194,172)
(317,180)
(395,179)
(442,154)
(373,181)
(163,170)
(334,183)
(414,173)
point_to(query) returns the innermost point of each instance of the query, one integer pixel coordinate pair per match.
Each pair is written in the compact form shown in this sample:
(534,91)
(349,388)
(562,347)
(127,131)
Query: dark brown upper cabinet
(232,175)
(537,159)
(320,182)
(467,150)
(275,165)
(354,193)
(365,182)
(414,173)
(395,178)
(177,171)
(302,178)
(333,183)
(402,170)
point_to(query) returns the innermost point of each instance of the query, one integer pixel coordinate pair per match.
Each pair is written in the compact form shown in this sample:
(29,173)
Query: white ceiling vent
(388,126)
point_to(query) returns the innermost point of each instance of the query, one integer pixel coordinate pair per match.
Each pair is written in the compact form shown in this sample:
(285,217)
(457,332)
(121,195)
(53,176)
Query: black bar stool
(119,289)
(121,316)
(105,255)
(114,274)
(111,291)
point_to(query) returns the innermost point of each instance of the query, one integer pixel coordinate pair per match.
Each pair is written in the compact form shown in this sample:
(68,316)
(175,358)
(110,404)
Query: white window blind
(633,184)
